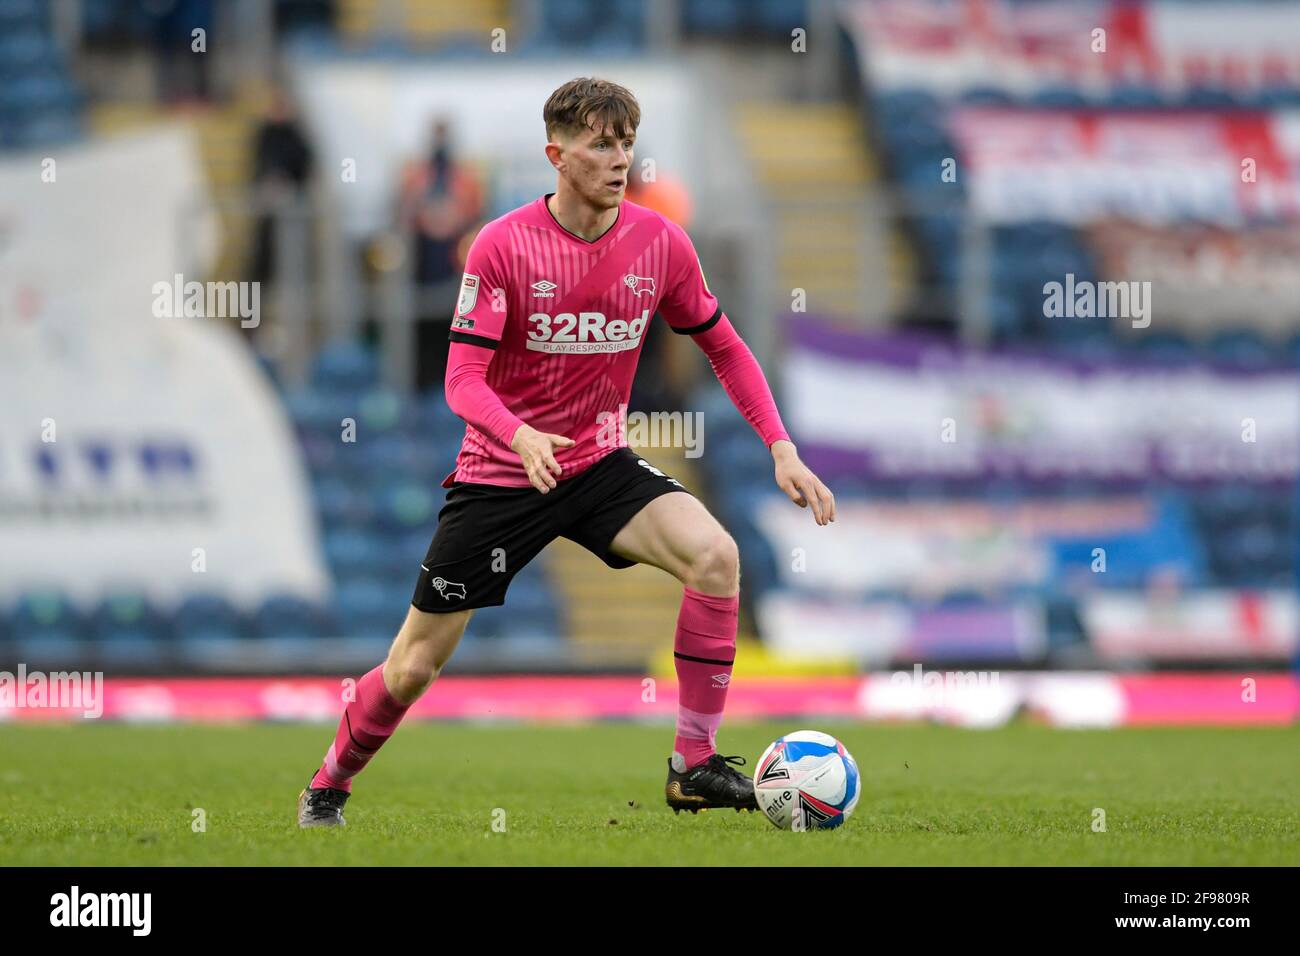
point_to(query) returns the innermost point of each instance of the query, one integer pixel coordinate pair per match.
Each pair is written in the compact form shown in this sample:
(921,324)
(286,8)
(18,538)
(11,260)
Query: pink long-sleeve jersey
(549,327)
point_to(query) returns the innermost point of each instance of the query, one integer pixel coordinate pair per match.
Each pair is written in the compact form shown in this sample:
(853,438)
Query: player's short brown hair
(592,103)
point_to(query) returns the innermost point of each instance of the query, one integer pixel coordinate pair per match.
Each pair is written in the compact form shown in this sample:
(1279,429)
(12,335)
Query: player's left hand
(804,488)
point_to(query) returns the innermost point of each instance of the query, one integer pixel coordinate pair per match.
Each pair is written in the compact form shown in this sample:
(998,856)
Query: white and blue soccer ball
(807,781)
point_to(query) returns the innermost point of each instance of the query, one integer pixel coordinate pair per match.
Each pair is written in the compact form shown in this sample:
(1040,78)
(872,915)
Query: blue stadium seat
(345,365)
(986,96)
(353,552)
(339,503)
(22,52)
(406,505)
(1165,347)
(1060,98)
(1243,348)
(129,630)
(1253,555)
(128,616)
(56,129)
(19,15)
(379,411)
(1205,97)
(46,627)
(1276,97)
(323,408)
(38,91)
(290,616)
(204,617)
(392,456)
(712,17)
(1135,97)
(368,608)
(781,16)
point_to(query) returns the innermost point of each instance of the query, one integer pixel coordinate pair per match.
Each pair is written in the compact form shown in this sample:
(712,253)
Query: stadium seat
(371,609)
(18,15)
(47,629)
(1059,98)
(289,616)
(986,96)
(129,631)
(1135,97)
(344,365)
(712,17)
(780,17)
(379,411)
(339,503)
(323,408)
(353,552)
(406,505)
(203,617)
(1243,348)
(1165,347)
(1206,98)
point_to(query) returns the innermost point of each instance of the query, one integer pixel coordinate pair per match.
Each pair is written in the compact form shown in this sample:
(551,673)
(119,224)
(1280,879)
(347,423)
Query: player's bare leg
(676,533)
(420,651)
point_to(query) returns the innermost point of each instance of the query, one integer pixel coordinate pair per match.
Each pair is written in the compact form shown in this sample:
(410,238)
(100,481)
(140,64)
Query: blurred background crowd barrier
(882,195)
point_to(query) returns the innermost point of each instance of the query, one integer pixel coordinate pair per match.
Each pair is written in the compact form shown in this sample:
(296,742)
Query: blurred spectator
(664,194)
(282,165)
(182,71)
(291,15)
(440,201)
(662,365)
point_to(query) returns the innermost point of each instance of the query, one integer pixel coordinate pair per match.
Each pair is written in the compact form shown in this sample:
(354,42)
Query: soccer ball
(806,781)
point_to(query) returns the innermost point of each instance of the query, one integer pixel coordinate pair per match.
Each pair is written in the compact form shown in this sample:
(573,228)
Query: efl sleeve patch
(468,295)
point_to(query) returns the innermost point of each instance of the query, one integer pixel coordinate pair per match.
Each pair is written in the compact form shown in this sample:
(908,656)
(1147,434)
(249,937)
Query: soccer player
(552,313)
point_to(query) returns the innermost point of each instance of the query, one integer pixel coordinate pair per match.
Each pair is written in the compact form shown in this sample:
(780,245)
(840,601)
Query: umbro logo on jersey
(639,285)
(544,289)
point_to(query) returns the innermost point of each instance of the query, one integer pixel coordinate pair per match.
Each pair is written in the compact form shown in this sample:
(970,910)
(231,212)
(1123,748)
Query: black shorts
(487,533)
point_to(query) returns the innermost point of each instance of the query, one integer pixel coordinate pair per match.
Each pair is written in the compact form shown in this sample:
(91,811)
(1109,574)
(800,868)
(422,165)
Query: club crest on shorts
(468,294)
(450,590)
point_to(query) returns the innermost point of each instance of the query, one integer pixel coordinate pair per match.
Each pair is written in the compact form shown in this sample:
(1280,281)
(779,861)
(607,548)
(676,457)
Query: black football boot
(714,784)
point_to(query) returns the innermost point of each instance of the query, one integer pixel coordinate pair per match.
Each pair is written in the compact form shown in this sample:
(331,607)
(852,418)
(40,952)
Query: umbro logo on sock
(721,680)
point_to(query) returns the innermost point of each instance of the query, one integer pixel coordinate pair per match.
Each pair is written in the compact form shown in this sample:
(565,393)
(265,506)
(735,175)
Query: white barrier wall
(134,449)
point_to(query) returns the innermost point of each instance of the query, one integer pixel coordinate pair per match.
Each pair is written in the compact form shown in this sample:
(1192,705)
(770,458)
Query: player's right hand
(537,451)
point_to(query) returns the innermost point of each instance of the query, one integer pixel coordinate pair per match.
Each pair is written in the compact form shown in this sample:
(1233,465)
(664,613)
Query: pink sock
(367,722)
(703,652)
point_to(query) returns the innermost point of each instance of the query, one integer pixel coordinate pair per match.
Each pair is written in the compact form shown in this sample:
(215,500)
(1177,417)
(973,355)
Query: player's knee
(715,568)
(411,678)
(423,649)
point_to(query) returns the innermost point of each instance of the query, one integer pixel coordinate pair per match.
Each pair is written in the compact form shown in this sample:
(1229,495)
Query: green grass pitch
(115,794)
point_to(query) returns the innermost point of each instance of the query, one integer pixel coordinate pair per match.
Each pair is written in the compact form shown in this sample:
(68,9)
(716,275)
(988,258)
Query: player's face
(598,164)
